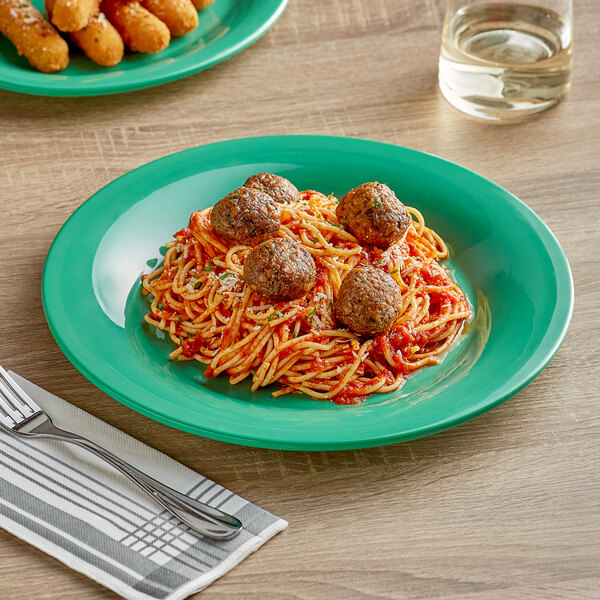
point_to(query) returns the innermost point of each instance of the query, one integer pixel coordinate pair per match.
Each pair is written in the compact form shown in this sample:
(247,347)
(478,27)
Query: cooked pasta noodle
(199,296)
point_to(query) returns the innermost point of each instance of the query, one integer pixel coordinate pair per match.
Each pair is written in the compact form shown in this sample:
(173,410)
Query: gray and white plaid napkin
(70,504)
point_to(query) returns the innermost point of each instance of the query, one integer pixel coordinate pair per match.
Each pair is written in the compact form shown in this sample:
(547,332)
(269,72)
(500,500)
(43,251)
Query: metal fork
(21,416)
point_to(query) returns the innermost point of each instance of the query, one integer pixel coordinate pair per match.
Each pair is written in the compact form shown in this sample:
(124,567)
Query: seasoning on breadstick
(98,39)
(179,16)
(73,15)
(33,36)
(201,4)
(139,28)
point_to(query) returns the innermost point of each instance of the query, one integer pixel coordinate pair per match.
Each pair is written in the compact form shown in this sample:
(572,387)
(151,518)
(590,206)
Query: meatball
(279,188)
(247,216)
(280,269)
(368,302)
(374,214)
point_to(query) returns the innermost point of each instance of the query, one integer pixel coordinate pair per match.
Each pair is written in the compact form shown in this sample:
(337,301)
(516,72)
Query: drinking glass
(506,60)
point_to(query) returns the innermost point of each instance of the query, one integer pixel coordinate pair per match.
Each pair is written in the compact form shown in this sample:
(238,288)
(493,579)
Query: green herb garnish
(394,271)
(311,314)
(275,315)
(209,266)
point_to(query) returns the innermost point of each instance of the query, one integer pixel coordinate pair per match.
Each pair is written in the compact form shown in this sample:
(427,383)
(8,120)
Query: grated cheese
(229,281)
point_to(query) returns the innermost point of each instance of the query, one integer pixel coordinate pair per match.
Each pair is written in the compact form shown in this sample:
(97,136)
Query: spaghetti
(200,298)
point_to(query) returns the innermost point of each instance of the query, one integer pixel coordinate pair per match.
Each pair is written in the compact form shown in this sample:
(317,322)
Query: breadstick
(98,39)
(179,16)
(139,28)
(201,4)
(33,36)
(73,15)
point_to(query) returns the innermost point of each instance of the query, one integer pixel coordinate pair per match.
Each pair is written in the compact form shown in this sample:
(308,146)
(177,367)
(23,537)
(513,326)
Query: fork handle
(201,517)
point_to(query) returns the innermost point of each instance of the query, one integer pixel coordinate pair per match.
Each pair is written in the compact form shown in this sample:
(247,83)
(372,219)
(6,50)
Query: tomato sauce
(184,235)
(286,352)
(192,346)
(321,279)
(317,366)
(433,276)
(345,398)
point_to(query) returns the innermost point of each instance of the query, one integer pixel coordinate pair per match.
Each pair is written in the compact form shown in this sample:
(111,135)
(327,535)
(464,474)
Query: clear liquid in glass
(505,61)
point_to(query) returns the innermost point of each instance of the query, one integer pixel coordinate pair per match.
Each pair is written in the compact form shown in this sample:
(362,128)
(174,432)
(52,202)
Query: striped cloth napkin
(73,506)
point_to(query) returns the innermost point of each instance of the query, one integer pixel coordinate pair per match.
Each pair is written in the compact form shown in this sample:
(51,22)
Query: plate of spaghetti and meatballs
(97,47)
(306,292)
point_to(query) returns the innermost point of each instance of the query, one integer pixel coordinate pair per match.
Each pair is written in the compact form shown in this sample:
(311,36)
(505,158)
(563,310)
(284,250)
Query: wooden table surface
(504,507)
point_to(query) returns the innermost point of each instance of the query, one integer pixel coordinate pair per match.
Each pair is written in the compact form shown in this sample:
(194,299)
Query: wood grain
(505,507)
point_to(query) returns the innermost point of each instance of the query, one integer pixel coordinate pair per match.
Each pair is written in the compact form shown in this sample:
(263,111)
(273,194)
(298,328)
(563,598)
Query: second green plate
(224,29)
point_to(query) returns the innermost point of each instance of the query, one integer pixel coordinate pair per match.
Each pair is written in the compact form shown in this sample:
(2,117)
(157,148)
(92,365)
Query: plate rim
(47,88)
(560,319)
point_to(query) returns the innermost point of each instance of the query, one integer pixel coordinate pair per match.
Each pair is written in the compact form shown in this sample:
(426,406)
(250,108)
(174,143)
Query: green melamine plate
(511,266)
(224,29)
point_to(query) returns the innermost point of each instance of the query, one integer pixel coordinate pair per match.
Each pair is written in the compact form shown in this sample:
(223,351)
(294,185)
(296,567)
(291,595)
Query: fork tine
(17,402)
(9,416)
